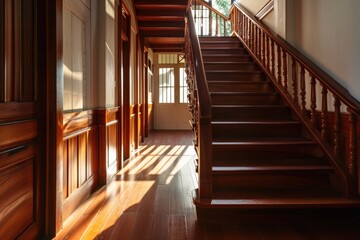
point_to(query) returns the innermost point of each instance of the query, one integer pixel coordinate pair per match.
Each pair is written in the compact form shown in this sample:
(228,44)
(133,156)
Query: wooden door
(21,167)
(171,105)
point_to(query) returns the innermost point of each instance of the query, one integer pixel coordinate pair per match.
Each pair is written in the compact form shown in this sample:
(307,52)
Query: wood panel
(17,192)
(140,125)
(150,116)
(110,160)
(80,159)
(132,128)
(21,176)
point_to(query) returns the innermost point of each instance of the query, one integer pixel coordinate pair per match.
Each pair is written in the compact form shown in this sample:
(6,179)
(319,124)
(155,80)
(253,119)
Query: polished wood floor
(151,199)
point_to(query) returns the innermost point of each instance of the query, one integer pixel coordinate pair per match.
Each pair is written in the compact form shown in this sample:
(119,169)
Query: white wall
(253,6)
(327,32)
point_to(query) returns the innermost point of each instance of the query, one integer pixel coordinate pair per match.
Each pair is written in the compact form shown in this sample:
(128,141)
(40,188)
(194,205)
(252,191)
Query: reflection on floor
(151,199)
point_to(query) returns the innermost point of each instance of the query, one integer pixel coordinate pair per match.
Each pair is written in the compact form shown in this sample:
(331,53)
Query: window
(166,85)
(172,78)
(183,86)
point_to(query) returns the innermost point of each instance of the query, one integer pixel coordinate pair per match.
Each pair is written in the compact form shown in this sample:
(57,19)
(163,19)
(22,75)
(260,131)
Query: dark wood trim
(136,94)
(118,79)
(9,57)
(146,93)
(264,11)
(49,22)
(2,51)
(125,79)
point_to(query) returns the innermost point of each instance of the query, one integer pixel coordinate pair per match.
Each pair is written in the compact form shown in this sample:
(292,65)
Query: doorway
(171,102)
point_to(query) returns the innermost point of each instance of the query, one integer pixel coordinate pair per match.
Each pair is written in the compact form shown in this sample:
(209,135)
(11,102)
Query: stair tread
(232,71)
(261,141)
(245,93)
(231,62)
(238,82)
(270,198)
(286,168)
(270,162)
(249,106)
(270,122)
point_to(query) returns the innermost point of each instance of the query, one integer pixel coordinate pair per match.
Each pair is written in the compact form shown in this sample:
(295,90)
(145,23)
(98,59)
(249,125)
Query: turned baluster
(247,31)
(285,73)
(352,156)
(258,42)
(324,114)
(313,101)
(267,53)
(202,20)
(224,27)
(217,25)
(279,65)
(195,7)
(337,105)
(302,90)
(242,25)
(250,35)
(253,38)
(210,22)
(263,47)
(294,81)
(272,57)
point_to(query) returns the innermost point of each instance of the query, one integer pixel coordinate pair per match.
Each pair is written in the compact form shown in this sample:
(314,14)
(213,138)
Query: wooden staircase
(262,156)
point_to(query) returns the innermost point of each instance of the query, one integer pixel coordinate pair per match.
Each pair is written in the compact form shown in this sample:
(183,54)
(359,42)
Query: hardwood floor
(151,199)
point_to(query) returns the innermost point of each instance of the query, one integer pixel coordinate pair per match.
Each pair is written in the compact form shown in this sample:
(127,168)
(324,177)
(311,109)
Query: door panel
(21,177)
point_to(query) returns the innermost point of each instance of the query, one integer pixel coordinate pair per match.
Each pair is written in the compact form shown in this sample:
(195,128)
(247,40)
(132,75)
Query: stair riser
(259,162)
(224,44)
(218,39)
(216,50)
(231,66)
(235,76)
(244,100)
(274,180)
(239,86)
(240,114)
(233,58)
(229,152)
(256,130)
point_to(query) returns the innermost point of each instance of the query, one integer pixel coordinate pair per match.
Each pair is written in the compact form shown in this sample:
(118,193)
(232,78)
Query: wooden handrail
(330,83)
(202,2)
(208,21)
(200,105)
(291,71)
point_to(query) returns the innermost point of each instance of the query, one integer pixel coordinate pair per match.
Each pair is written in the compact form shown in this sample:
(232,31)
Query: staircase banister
(202,87)
(213,9)
(334,86)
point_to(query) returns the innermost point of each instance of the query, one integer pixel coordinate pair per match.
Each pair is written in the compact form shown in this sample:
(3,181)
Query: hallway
(151,199)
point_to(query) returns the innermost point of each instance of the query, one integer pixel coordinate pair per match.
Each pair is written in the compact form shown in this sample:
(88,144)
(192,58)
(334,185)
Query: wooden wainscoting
(109,155)
(21,163)
(140,128)
(132,128)
(150,116)
(19,171)
(80,162)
